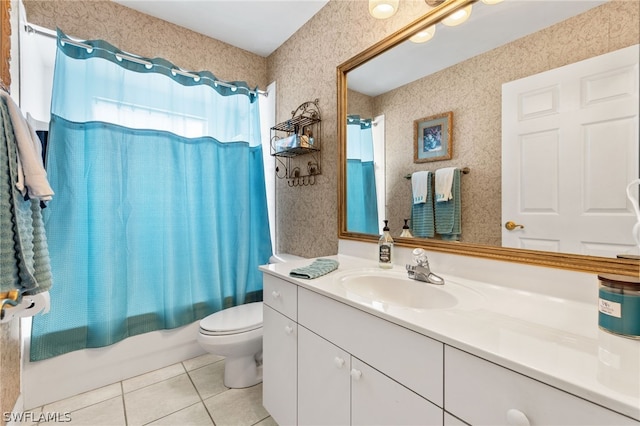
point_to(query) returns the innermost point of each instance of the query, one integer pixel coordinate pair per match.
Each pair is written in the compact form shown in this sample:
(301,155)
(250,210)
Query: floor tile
(194,415)
(201,361)
(85,399)
(209,379)
(152,377)
(267,422)
(237,407)
(160,399)
(105,413)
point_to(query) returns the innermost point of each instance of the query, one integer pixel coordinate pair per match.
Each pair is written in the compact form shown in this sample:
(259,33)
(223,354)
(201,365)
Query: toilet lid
(236,319)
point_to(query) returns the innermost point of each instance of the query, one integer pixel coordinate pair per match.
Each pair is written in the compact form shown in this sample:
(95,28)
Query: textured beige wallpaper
(144,35)
(305,69)
(472,90)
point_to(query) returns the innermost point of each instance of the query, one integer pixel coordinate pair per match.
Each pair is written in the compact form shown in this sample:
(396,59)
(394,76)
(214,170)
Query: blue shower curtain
(362,204)
(160,215)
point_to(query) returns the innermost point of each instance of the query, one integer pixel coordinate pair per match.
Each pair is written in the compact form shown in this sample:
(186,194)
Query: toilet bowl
(236,334)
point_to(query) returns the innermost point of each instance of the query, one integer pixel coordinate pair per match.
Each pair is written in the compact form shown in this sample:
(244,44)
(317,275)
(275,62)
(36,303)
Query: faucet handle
(420,257)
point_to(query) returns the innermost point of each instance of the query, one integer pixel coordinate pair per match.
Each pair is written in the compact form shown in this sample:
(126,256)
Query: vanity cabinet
(326,362)
(335,388)
(480,392)
(280,350)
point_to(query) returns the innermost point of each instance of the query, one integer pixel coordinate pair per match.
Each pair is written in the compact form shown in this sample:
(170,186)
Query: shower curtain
(362,204)
(160,217)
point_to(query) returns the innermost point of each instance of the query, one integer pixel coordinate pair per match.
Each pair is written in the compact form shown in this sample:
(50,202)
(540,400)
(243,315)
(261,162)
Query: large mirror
(462,70)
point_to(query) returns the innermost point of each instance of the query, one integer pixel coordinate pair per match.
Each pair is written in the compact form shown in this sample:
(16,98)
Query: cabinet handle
(356,374)
(275,294)
(339,362)
(517,418)
(288,329)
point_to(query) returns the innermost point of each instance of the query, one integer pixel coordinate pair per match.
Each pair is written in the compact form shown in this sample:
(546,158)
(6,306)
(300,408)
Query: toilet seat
(234,320)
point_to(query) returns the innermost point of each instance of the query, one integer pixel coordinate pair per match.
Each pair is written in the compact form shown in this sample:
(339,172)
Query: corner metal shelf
(300,135)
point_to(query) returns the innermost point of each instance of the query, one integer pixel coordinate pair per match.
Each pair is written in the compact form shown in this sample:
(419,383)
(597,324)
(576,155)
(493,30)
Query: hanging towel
(24,255)
(444,183)
(318,268)
(420,186)
(448,213)
(31,176)
(422,224)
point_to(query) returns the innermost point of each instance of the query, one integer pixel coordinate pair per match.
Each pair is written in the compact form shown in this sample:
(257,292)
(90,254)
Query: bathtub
(66,375)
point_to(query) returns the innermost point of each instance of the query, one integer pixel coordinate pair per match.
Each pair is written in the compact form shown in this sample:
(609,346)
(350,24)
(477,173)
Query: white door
(569,149)
(378,400)
(324,383)
(280,366)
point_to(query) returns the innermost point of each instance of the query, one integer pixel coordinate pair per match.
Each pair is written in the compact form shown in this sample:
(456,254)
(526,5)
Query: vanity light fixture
(383,9)
(457,17)
(425,35)
(491,1)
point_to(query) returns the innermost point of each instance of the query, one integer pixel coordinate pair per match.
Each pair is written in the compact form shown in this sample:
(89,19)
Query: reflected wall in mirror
(471,87)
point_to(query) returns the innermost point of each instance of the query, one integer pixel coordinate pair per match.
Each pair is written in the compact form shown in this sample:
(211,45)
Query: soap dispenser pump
(405,230)
(385,248)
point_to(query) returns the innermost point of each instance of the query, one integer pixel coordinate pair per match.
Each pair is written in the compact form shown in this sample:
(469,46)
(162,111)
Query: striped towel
(422,224)
(24,256)
(318,268)
(448,213)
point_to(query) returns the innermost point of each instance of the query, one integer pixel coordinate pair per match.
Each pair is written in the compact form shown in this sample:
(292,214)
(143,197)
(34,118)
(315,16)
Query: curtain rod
(147,64)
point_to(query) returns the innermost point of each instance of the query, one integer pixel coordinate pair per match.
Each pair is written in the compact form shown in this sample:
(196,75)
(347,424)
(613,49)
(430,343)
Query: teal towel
(422,224)
(24,256)
(448,213)
(318,268)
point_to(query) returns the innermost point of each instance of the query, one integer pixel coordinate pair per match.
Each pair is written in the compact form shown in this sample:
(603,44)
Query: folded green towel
(318,268)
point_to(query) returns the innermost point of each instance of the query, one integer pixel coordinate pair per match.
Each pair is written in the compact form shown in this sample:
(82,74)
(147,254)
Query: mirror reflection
(492,73)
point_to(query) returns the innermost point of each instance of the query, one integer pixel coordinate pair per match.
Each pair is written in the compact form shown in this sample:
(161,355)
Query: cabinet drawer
(482,393)
(408,357)
(281,296)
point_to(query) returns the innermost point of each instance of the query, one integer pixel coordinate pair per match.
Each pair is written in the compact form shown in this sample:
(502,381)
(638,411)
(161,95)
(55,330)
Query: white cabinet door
(378,400)
(482,393)
(323,381)
(279,375)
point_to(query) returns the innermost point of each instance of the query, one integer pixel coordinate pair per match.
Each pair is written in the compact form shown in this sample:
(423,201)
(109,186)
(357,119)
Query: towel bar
(464,170)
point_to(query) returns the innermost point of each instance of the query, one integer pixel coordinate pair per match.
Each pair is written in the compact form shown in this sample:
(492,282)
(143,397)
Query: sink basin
(384,289)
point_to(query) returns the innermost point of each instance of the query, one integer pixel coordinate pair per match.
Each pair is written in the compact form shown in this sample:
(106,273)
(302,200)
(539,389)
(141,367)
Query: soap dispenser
(385,248)
(405,230)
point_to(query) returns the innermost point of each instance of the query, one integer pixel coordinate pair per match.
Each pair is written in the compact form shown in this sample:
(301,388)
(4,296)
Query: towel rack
(464,170)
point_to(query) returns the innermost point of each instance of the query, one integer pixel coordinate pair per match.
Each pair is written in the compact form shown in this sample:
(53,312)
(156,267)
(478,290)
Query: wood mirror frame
(582,263)
(5,44)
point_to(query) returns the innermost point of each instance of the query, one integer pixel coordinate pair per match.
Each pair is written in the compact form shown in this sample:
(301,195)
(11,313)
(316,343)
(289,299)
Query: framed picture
(432,138)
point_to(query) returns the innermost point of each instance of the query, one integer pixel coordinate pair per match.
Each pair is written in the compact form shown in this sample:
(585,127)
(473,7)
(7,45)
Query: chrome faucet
(421,271)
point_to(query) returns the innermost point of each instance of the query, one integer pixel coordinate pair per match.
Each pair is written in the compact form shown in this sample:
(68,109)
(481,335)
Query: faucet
(421,271)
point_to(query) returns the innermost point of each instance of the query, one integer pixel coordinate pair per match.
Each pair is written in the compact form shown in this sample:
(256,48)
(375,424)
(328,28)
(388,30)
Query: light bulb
(491,1)
(382,9)
(424,35)
(458,17)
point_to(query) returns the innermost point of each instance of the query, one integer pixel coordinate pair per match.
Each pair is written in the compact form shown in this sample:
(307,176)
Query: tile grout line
(198,392)
(124,404)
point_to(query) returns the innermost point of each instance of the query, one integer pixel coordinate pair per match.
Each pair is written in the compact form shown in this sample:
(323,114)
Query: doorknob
(512,225)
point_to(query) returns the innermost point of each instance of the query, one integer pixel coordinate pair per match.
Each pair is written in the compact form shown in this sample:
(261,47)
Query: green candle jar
(619,305)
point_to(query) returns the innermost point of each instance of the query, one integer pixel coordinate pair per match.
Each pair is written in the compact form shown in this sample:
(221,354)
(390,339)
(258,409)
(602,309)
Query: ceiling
(259,26)
(488,27)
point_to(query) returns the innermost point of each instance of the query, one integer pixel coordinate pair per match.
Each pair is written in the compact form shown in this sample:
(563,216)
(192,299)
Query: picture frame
(432,138)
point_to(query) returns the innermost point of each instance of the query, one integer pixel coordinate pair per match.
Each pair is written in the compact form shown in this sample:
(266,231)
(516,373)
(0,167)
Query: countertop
(554,340)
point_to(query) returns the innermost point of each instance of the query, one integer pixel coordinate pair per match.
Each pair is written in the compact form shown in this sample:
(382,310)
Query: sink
(384,289)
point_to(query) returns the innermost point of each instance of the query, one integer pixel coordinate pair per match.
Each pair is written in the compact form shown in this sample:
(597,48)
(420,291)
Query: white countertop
(554,340)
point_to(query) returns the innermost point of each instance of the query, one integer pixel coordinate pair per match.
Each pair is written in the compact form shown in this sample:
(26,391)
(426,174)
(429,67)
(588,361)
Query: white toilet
(236,334)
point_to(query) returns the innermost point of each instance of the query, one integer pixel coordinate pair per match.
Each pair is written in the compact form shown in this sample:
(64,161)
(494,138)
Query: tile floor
(188,393)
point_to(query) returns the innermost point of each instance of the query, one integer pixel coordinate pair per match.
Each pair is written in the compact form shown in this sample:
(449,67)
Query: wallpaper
(143,35)
(472,91)
(305,69)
